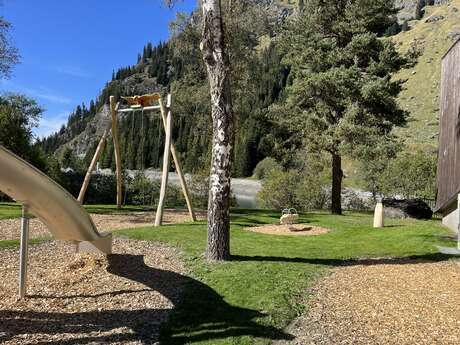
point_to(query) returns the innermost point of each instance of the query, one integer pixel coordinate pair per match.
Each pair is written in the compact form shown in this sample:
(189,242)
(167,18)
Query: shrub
(304,188)
(102,189)
(353,201)
(264,167)
(410,175)
(199,188)
(141,191)
(279,189)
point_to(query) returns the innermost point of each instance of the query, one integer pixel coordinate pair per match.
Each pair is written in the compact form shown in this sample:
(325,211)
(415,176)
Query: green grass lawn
(9,210)
(253,297)
(13,210)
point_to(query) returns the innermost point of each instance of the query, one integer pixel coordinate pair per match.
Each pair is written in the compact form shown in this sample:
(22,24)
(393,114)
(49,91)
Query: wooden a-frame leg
(116,145)
(164,176)
(92,166)
(182,180)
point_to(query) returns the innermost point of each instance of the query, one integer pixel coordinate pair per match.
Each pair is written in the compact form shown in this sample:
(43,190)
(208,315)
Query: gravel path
(384,303)
(84,299)
(10,228)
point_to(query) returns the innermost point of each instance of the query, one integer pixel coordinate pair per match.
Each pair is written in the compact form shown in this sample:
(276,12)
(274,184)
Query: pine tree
(342,91)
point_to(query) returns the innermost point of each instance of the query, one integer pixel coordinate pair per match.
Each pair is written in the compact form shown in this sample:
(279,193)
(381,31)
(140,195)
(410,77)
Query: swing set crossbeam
(169,150)
(131,110)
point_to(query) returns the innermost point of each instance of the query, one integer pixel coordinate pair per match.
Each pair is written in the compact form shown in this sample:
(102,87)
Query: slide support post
(458,228)
(24,251)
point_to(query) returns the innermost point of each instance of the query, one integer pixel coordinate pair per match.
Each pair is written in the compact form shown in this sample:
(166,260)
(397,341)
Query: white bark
(217,65)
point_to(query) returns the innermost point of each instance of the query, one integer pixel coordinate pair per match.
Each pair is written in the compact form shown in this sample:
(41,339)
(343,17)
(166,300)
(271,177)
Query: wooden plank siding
(448,169)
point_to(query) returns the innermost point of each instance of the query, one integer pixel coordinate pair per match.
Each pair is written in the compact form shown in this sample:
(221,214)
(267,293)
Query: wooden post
(164,177)
(97,155)
(116,145)
(183,182)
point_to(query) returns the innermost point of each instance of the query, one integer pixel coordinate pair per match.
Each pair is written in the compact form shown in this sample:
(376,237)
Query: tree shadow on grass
(200,313)
(409,260)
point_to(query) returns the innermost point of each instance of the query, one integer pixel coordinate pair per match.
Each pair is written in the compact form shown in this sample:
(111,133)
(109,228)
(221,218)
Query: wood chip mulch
(90,299)
(289,230)
(382,302)
(10,229)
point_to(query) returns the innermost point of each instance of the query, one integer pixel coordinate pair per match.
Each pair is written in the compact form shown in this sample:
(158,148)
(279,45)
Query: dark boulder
(409,208)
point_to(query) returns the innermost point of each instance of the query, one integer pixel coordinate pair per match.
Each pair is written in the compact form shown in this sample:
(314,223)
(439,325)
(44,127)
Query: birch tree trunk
(217,64)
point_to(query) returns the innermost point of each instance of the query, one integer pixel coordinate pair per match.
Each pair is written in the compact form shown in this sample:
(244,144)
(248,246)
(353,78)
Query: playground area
(78,298)
(383,302)
(9,228)
(351,284)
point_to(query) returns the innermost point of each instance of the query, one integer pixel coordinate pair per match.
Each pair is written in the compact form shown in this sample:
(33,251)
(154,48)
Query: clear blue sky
(69,48)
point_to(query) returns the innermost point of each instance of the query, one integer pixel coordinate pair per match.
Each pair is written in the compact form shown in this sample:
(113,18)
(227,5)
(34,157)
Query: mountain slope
(434,34)
(158,68)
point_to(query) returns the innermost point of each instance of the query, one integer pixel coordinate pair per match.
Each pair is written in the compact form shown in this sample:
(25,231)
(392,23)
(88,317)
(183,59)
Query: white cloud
(51,124)
(73,71)
(47,94)
(40,92)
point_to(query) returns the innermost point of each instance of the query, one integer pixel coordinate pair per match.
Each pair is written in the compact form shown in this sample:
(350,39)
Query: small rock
(434,18)
(454,35)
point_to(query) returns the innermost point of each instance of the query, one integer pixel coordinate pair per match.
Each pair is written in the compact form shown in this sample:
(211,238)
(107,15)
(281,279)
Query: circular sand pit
(82,298)
(289,230)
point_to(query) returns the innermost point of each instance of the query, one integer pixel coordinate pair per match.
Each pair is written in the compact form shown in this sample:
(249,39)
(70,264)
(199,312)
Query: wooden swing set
(141,103)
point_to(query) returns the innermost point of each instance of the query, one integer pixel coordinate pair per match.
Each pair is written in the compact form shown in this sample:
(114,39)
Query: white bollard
(24,249)
(378,215)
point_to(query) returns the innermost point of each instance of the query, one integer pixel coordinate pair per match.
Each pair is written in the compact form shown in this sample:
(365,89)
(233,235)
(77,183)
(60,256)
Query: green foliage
(199,188)
(411,175)
(69,160)
(342,90)
(264,167)
(18,116)
(102,189)
(374,157)
(141,191)
(9,55)
(304,188)
(279,189)
(394,28)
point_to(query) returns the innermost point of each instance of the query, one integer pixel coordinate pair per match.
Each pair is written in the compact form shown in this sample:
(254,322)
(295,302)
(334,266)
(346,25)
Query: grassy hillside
(421,94)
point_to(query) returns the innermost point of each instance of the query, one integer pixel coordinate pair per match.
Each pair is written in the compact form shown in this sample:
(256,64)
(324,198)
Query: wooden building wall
(448,170)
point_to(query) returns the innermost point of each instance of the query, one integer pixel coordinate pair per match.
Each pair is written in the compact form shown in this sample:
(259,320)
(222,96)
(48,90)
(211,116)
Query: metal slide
(65,218)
